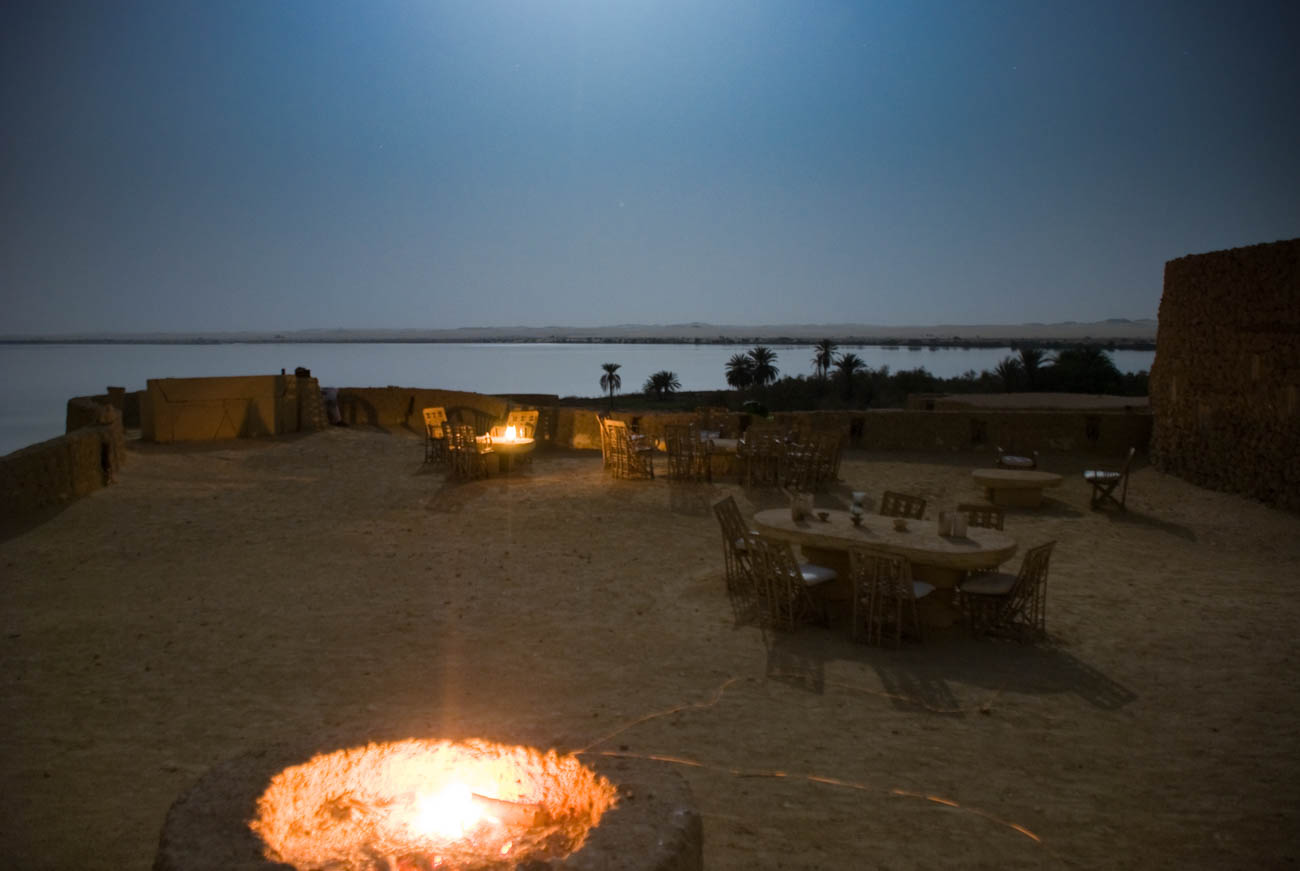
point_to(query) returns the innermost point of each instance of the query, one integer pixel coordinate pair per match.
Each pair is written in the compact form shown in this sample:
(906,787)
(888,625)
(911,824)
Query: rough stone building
(1225,386)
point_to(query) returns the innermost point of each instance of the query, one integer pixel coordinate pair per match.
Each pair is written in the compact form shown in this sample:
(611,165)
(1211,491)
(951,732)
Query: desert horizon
(1113,330)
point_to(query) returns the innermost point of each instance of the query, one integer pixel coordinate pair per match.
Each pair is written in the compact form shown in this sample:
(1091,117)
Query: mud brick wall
(65,468)
(207,409)
(1105,434)
(1225,385)
(404,407)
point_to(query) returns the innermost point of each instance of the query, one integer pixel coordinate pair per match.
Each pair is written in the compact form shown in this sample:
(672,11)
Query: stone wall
(1103,433)
(65,468)
(1225,386)
(207,409)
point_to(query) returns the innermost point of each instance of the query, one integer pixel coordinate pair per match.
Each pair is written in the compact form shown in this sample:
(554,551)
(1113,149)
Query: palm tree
(1086,369)
(847,366)
(1009,371)
(662,384)
(611,380)
(740,371)
(1030,360)
(824,357)
(765,370)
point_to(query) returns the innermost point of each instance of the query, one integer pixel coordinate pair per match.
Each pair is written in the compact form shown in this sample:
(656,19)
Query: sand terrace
(224,597)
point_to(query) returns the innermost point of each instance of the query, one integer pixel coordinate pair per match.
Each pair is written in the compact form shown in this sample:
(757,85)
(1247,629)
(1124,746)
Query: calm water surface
(39,379)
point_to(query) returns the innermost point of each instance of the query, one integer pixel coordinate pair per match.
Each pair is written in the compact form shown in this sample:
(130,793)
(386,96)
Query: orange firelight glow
(454,804)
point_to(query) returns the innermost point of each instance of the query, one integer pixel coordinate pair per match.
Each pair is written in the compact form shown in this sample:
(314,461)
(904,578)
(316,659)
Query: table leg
(1020,497)
(938,609)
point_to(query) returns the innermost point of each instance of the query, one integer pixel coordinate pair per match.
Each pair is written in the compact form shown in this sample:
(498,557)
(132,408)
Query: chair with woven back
(735,544)
(435,440)
(763,455)
(688,455)
(524,422)
(901,505)
(784,586)
(468,457)
(986,516)
(1104,483)
(628,460)
(1000,603)
(884,596)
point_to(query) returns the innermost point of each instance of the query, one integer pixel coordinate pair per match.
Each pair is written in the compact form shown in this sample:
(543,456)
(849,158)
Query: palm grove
(842,380)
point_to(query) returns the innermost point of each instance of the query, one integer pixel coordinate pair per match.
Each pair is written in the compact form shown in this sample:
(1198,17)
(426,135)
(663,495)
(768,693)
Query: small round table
(1017,488)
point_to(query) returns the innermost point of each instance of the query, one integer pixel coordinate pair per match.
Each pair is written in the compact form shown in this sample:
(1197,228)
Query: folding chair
(1104,482)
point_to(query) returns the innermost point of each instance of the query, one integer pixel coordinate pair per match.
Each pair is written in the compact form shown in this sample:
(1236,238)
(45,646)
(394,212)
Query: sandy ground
(223,598)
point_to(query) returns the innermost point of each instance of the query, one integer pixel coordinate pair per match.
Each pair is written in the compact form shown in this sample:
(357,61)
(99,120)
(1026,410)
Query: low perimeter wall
(1102,433)
(206,409)
(404,407)
(65,468)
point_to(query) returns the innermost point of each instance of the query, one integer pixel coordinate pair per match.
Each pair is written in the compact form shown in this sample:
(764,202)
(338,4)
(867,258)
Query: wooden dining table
(940,560)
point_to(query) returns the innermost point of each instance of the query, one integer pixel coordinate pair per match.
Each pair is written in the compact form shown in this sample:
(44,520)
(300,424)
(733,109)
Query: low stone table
(1015,488)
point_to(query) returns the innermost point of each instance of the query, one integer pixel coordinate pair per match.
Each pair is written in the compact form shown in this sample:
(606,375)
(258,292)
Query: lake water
(38,380)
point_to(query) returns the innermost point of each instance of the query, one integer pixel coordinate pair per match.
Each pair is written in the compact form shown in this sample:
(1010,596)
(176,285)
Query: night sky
(264,164)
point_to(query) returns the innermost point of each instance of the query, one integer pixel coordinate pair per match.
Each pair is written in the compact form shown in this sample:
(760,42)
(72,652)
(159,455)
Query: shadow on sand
(923,676)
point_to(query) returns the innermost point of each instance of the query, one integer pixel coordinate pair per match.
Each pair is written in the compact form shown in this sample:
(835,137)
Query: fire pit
(419,805)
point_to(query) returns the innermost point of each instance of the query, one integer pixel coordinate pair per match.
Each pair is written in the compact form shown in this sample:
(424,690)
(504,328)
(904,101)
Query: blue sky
(269,164)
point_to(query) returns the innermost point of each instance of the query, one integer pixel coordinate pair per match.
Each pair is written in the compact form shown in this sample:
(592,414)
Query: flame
(449,813)
(510,434)
(456,804)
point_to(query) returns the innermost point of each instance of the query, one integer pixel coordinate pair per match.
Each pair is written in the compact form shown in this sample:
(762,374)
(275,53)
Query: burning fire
(510,433)
(429,804)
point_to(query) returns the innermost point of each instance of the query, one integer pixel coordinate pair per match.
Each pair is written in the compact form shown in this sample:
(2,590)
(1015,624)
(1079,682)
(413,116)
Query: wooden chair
(468,457)
(784,586)
(688,456)
(736,558)
(901,505)
(1105,482)
(986,516)
(884,596)
(813,462)
(629,460)
(762,454)
(524,422)
(435,440)
(1003,603)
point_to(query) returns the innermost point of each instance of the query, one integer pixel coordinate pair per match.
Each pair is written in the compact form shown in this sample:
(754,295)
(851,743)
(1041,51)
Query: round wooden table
(1017,488)
(936,559)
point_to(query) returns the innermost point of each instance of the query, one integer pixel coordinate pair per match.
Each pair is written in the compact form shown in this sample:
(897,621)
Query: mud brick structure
(1225,386)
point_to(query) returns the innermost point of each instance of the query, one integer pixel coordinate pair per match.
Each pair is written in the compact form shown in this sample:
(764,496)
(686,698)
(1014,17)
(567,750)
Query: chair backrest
(461,438)
(778,582)
(731,521)
(1128,461)
(524,422)
(434,418)
(1026,596)
(901,505)
(986,516)
(874,572)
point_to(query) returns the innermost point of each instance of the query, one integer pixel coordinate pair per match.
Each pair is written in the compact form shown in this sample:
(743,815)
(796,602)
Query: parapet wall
(206,409)
(404,406)
(65,468)
(1102,433)
(1225,385)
